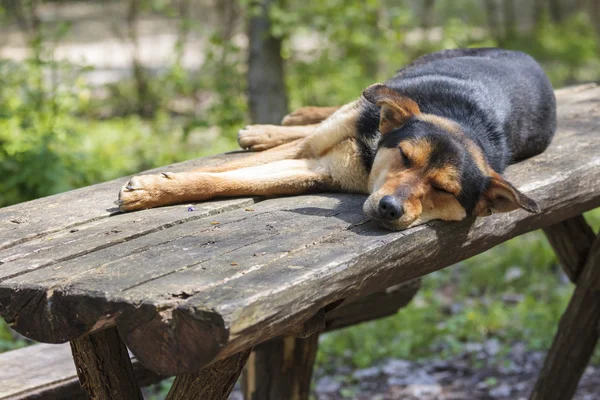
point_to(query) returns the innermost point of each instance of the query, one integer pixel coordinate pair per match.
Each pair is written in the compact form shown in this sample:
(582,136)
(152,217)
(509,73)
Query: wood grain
(280,368)
(47,371)
(571,240)
(576,338)
(214,382)
(241,275)
(104,368)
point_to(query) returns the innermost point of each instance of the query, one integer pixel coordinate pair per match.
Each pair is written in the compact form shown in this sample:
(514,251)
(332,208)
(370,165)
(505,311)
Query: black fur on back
(502,99)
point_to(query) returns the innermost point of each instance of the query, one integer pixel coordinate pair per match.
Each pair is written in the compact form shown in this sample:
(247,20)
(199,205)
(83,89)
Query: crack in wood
(121,240)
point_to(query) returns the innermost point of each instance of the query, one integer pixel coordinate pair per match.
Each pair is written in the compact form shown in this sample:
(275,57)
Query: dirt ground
(481,373)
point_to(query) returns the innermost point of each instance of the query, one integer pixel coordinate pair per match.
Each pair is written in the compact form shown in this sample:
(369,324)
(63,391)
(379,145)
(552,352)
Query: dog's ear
(501,196)
(395,108)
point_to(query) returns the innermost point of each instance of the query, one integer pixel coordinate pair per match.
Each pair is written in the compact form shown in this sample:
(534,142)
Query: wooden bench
(191,292)
(47,371)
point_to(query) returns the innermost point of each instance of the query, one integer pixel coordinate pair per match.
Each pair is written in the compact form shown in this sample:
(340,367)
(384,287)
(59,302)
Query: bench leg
(280,369)
(214,382)
(104,367)
(578,329)
(571,240)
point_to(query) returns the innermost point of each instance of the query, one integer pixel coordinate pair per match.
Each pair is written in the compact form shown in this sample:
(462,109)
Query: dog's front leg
(338,125)
(286,177)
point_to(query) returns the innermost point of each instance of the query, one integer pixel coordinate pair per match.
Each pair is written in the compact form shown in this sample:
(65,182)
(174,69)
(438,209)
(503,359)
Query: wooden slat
(47,372)
(38,218)
(264,269)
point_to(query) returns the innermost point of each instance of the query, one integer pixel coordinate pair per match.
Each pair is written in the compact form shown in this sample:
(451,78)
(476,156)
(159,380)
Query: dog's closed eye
(407,162)
(441,190)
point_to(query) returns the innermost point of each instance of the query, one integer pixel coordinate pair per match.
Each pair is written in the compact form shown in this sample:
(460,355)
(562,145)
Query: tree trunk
(228,12)
(539,8)
(428,16)
(594,13)
(492,16)
(146,99)
(556,11)
(510,19)
(266,86)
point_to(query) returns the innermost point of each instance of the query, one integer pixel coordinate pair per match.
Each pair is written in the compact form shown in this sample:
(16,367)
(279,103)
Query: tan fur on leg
(308,115)
(340,126)
(289,151)
(324,159)
(264,137)
(284,177)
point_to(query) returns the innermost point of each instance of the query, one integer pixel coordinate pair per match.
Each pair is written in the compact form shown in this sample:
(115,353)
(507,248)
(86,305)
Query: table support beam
(214,382)
(280,368)
(577,333)
(571,240)
(104,367)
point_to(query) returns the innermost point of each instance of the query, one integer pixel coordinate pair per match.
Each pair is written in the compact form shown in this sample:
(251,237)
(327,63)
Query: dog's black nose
(389,208)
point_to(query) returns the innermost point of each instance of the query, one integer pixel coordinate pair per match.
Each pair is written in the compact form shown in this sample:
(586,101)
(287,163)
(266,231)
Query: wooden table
(189,289)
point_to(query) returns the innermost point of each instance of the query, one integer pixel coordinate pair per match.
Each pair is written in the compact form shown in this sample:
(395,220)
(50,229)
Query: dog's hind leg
(297,125)
(285,177)
(263,137)
(288,151)
(308,116)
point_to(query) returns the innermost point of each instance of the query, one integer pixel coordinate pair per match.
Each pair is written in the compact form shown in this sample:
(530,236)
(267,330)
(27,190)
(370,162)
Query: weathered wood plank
(257,274)
(280,368)
(373,306)
(38,218)
(47,372)
(576,338)
(70,243)
(104,367)
(214,382)
(571,240)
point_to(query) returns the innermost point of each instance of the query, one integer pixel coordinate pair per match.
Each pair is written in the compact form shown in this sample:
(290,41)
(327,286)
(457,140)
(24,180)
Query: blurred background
(95,90)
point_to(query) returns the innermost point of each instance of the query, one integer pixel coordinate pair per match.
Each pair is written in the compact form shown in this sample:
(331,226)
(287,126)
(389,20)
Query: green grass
(464,303)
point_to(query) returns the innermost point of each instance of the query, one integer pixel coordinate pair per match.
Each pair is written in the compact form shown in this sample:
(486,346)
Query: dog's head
(426,168)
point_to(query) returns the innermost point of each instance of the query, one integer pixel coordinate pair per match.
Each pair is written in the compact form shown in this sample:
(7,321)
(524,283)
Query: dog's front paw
(145,191)
(260,137)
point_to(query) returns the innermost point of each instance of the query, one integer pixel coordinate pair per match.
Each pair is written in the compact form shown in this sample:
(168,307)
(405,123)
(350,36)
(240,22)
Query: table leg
(104,367)
(578,329)
(214,382)
(280,369)
(571,240)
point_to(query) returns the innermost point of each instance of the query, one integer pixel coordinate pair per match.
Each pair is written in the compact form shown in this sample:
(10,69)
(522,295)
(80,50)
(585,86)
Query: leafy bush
(48,145)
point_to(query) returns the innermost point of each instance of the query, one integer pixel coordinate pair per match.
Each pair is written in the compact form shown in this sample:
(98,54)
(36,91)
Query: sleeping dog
(430,143)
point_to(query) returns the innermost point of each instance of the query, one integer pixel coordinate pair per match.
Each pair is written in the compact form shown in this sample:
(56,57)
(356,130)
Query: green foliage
(7,341)
(47,145)
(354,44)
(567,51)
(223,75)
